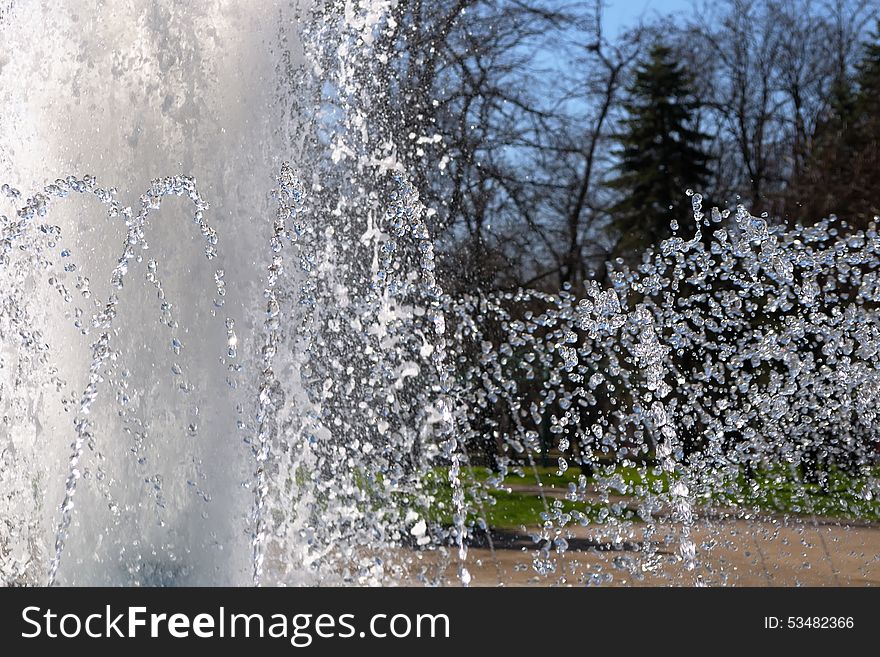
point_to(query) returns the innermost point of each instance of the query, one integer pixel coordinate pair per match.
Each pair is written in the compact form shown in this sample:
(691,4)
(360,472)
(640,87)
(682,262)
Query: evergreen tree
(660,153)
(869,78)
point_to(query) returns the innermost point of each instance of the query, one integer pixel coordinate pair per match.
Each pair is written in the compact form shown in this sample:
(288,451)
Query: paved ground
(770,552)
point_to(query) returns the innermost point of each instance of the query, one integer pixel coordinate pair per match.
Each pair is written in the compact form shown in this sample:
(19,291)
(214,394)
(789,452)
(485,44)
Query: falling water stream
(250,373)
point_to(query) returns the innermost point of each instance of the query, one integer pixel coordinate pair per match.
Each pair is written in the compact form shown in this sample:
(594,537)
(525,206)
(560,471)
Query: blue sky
(621,14)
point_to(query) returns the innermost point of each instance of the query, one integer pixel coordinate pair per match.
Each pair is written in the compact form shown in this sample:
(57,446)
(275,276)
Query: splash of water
(349,419)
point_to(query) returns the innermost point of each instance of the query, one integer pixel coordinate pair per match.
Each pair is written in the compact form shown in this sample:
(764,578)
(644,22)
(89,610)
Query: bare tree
(599,75)
(769,68)
(452,85)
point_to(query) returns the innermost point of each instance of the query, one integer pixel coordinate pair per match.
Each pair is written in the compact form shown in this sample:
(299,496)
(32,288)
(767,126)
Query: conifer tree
(661,154)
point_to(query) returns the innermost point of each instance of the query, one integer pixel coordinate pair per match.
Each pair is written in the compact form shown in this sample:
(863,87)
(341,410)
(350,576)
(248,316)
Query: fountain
(164,87)
(219,385)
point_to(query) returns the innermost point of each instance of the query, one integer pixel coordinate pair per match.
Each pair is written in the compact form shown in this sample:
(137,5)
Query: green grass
(507,508)
(781,491)
(776,491)
(514,510)
(632,477)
